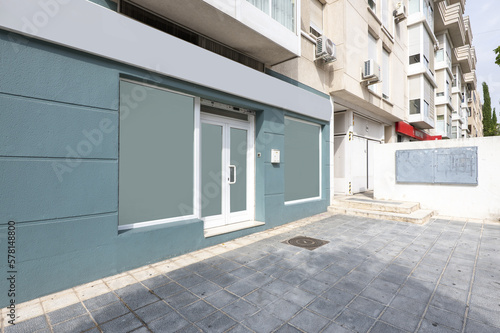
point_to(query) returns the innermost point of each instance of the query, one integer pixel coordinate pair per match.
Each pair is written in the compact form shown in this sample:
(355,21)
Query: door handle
(232,174)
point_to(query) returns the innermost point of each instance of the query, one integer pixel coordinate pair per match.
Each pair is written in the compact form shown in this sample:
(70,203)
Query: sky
(485,24)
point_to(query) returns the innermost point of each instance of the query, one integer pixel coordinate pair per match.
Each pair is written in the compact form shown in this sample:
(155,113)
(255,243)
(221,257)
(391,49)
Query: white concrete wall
(481,201)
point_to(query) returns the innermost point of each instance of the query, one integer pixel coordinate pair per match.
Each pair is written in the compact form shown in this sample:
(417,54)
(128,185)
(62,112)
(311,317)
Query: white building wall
(481,201)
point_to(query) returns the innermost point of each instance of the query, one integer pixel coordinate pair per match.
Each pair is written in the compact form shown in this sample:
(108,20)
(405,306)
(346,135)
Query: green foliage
(497,51)
(487,120)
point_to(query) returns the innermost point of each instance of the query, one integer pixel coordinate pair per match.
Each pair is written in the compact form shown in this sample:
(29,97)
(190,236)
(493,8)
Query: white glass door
(226,171)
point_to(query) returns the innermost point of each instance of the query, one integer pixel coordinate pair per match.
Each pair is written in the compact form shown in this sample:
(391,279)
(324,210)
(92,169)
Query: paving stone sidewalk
(373,276)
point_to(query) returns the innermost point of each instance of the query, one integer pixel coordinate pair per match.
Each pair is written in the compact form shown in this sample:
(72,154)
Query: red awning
(407,129)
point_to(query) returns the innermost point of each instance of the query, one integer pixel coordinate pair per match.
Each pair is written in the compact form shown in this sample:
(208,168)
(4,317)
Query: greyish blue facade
(64,131)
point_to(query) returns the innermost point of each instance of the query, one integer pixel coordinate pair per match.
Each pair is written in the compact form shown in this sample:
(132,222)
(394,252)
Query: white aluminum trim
(84,26)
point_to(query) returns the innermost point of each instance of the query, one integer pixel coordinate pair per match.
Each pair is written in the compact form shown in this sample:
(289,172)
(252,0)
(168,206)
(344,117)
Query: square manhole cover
(306,242)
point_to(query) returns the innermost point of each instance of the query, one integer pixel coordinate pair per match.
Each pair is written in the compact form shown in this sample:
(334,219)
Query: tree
(488,127)
(497,51)
(494,121)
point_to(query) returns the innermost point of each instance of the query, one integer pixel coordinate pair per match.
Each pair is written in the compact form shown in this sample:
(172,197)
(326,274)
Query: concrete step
(420,216)
(363,203)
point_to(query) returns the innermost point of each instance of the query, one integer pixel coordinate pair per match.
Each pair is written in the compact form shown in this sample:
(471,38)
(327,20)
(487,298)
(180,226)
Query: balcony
(269,33)
(421,114)
(464,58)
(471,79)
(468,31)
(450,18)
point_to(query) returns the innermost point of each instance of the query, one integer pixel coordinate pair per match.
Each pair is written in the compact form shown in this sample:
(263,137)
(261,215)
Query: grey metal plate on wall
(437,166)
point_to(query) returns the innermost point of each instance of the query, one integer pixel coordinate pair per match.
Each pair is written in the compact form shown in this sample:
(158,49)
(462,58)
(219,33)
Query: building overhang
(90,28)
(409,130)
(237,24)
(450,17)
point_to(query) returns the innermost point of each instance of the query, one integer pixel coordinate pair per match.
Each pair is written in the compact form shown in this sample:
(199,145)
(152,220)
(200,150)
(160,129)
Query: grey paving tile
(367,307)
(430,327)
(205,289)
(420,285)
(299,296)
(197,311)
(309,322)
(262,322)
(190,329)
(77,324)
(381,327)
(473,326)
(294,278)
(190,281)
(221,298)
(338,296)
(178,301)
(354,320)
(261,298)
(393,277)
(225,280)
(409,305)
(335,328)
(243,272)
(179,273)
(171,322)
(378,295)
(447,303)
(136,295)
(157,281)
(486,316)
(314,286)
(109,312)
(66,313)
(211,273)
(287,328)
(28,326)
(153,311)
(228,265)
(421,296)
(385,285)
(240,309)
(400,319)
(124,323)
(282,309)
(168,290)
(277,287)
(259,279)
(217,322)
(241,288)
(325,307)
(444,318)
(483,301)
(100,301)
(239,329)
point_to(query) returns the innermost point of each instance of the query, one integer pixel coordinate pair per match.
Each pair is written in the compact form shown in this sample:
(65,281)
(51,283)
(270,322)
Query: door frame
(226,216)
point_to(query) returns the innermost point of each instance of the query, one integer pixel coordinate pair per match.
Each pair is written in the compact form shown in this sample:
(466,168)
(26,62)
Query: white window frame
(196,169)
(299,201)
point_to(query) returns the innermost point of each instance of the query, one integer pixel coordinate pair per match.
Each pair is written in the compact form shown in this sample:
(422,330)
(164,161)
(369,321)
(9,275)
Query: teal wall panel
(34,69)
(70,222)
(33,127)
(64,236)
(31,189)
(275,182)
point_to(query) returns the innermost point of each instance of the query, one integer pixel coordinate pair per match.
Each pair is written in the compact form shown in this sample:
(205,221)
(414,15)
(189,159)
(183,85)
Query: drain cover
(306,242)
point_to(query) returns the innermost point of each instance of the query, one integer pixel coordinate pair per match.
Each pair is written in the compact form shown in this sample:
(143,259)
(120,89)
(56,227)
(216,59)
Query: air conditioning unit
(325,49)
(371,71)
(400,12)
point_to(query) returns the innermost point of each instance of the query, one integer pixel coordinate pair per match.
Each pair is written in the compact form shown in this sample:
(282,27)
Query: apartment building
(135,131)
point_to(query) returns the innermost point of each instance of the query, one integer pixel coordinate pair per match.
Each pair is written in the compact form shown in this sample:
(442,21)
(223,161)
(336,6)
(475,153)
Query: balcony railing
(464,58)
(451,17)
